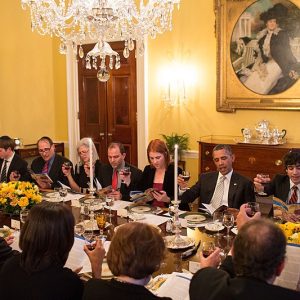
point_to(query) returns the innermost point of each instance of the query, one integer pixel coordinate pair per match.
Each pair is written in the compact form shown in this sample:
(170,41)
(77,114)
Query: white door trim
(142,105)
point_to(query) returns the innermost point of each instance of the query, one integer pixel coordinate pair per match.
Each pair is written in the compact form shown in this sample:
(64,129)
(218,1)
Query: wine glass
(252,208)
(109,203)
(186,177)
(228,222)
(16,175)
(63,192)
(207,248)
(23,215)
(101,221)
(265,180)
(79,229)
(88,235)
(218,219)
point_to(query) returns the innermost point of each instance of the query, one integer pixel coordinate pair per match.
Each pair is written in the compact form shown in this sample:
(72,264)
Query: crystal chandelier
(76,21)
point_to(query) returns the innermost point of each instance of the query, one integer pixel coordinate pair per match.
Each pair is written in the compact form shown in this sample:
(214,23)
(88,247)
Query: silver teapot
(278,135)
(263,131)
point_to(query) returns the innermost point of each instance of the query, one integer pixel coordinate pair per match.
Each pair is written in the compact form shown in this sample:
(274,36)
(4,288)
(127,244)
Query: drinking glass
(109,203)
(228,222)
(186,175)
(265,180)
(207,248)
(67,165)
(79,229)
(218,219)
(252,208)
(101,221)
(23,215)
(126,171)
(17,175)
(63,192)
(88,235)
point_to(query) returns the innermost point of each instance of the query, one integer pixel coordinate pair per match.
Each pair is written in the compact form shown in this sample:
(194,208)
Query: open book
(41,177)
(286,212)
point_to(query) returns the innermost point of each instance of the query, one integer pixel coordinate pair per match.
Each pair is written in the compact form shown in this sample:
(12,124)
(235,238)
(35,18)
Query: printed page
(290,277)
(176,286)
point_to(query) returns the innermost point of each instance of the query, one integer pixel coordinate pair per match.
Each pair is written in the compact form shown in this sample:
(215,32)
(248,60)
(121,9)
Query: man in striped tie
(12,166)
(285,187)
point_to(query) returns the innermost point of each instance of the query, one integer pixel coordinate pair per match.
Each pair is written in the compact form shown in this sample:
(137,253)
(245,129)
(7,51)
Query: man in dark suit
(49,163)
(223,187)
(285,187)
(113,173)
(258,258)
(12,166)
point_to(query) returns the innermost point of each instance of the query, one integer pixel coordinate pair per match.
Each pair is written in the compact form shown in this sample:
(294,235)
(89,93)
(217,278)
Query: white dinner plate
(214,227)
(140,209)
(195,218)
(169,241)
(234,230)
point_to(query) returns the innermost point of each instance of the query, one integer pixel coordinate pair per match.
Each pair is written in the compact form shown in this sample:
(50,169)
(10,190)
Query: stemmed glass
(228,222)
(109,203)
(218,219)
(63,192)
(265,180)
(79,229)
(186,177)
(101,222)
(207,248)
(252,208)
(88,235)
(23,215)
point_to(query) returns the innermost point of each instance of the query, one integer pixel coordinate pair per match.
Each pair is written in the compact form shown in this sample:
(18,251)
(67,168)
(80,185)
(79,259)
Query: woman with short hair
(135,252)
(38,271)
(81,180)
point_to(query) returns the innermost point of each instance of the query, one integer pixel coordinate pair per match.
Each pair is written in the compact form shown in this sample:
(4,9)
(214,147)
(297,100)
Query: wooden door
(107,111)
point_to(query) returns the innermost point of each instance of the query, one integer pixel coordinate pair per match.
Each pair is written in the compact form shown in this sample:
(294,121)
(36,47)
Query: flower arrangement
(16,195)
(291,231)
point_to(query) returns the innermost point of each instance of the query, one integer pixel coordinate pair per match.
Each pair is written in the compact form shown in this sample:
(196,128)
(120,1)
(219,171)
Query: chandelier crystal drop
(78,21)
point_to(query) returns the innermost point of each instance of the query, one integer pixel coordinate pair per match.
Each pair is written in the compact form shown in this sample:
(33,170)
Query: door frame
(142,104)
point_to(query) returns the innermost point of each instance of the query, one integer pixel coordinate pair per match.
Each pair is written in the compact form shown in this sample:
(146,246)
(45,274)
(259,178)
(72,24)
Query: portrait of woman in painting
(265,46)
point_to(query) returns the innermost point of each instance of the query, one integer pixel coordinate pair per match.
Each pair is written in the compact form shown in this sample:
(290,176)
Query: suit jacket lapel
(233,185)
(285,188)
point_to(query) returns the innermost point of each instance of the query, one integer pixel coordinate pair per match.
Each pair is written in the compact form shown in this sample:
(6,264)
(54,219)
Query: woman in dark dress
(135,252)
(81,180)
(38,271)
(159,175)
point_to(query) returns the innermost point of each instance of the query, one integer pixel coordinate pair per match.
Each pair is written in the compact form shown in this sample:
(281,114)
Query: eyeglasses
(83,152)
(46,150)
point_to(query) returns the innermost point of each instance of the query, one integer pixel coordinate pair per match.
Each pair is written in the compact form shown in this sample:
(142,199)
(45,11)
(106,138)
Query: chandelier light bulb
(77,21)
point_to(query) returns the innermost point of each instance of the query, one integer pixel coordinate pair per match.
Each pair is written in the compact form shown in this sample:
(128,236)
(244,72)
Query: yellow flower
(23,202)
(14,202)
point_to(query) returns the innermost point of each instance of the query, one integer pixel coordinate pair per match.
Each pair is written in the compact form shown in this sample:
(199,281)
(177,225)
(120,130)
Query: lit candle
(175,172)
(91,165)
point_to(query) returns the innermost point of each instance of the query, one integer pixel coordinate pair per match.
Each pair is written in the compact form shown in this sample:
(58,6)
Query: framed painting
(258,54)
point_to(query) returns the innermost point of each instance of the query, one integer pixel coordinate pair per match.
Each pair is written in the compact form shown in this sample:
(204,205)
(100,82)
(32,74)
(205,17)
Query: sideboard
(250,159)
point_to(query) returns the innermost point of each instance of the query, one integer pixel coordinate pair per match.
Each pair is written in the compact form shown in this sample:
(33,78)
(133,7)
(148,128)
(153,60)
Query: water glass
(228,222)
(23,215)
(218,219)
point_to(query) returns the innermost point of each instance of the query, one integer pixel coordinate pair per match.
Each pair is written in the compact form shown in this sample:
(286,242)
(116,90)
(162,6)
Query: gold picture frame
(232,94)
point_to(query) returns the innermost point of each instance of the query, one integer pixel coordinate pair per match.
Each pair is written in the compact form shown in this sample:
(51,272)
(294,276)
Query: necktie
(45,168)
(294,196)
(3,174)
(114,183)
(218,195)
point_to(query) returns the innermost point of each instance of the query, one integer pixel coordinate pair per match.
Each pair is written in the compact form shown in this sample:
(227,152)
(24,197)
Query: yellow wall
(33,80)
(193,41)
